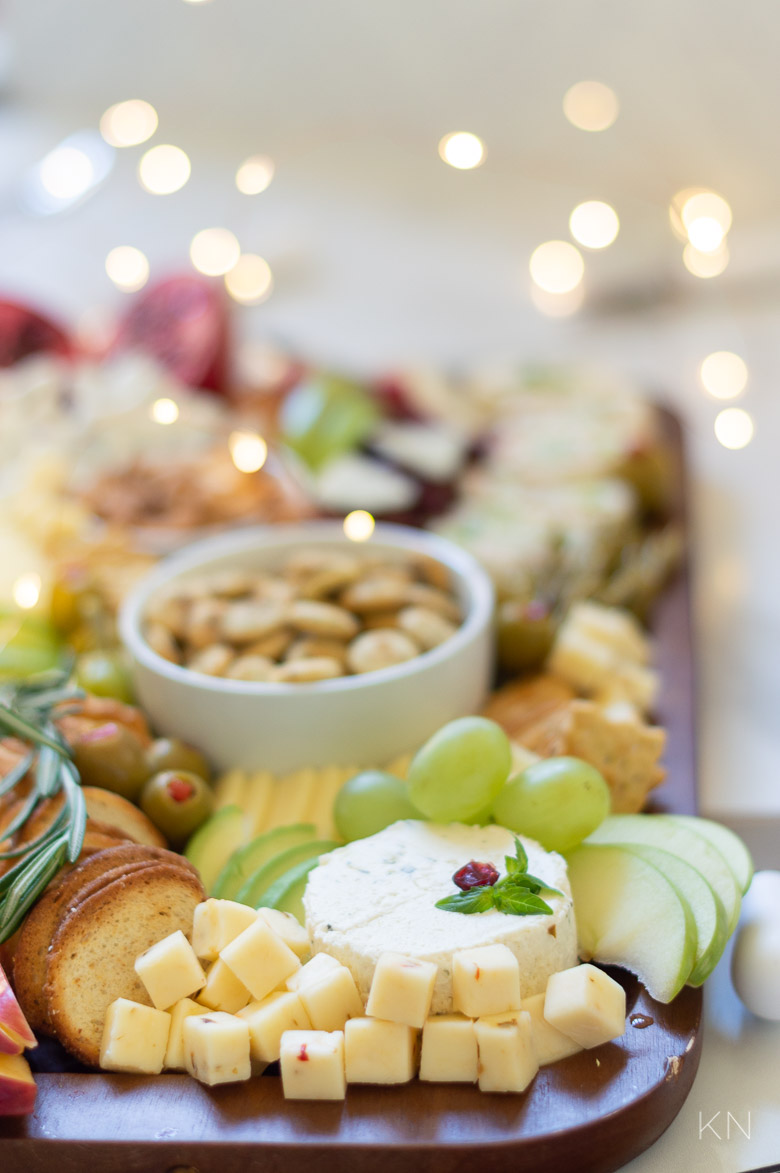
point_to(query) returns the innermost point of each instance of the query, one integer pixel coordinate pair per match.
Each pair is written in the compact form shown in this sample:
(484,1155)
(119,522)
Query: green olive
(177,802)
(168,753)
(526,630)
(105,674)
(112,757)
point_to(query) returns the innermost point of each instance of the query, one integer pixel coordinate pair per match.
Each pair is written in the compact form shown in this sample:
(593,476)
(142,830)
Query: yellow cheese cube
(289,928)
(223,990)
(269,1019)
(174,1055)
(401,989)
(449,1050)
(332,999)
(618,629)
(260,959)
(216,1048)
(550,1043)
(312,1065)
(485,980)
(170,970)
(376,1051)
(585,1004)
(134,1038)
(216,923)
(312,971)
(507,1059)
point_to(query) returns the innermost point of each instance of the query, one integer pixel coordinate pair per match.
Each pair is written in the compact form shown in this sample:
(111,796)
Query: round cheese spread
(379,894)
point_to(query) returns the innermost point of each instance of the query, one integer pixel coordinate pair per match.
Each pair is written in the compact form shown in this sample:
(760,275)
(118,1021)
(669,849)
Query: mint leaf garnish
(516,893)
(475,900)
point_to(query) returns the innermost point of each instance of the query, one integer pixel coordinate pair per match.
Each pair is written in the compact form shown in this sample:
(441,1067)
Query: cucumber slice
(243,864)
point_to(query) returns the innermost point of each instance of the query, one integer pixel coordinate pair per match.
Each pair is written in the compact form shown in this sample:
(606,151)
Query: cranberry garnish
(180,789)
(475,875)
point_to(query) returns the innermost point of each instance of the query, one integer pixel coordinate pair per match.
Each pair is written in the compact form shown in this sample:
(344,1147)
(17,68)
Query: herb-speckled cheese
(379,894)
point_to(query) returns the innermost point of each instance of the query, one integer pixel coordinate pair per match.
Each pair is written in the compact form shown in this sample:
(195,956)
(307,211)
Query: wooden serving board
(592,1112)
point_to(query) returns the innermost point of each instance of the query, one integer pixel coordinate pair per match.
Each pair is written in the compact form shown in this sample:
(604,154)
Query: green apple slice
(286,893)
(629,914)
(257,885)
(726,842)
(247,860)
(707,908)
(662,831)
(214,842)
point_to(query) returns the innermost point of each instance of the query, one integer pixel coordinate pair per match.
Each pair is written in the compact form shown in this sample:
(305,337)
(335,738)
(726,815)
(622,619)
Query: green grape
(460,770)
(369,802)
(105,674)
(326,417)
(557,801)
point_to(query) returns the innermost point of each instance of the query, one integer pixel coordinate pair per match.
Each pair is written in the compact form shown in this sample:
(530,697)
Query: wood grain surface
(590,1113)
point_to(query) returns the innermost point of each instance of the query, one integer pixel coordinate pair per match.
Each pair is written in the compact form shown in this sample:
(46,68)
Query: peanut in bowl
(243,645)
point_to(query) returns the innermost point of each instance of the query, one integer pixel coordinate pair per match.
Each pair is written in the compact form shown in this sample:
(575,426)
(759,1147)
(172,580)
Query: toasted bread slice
(40,926)
(90,963)
(113,809)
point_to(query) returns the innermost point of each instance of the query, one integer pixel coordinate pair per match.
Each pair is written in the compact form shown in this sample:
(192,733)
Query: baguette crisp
(90,962)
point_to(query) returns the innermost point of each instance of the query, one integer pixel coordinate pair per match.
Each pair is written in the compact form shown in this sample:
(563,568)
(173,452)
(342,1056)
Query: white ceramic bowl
(354,720)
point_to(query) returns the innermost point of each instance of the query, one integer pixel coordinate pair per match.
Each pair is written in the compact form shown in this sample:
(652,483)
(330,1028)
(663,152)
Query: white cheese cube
(312,1065)
(216,1048)
(449,1050)
(312,971)
(550,1043)
(260,959)
(331,1000)
(223,990)
(269,1019)
(174,1054)
(507,1059)
(401,989)
(586,1004)
(134,1038)
(216,923)
(379,1052)
(485,980)
(618,629)
(289,928)
(170,970)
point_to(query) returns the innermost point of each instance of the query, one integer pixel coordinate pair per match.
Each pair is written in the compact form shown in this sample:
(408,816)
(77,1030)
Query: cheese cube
(216,1048)
(331,1000)
(260,959)
(312,1065)
(289,928)
(174,1055)
(449,1050)
(485,980)
(586,1004)
(551,1045)
(269,1019)
(170,970)
(507,1059)
(312,971)
(216,923)
(379,1052)
(401,989)
(134,1038)
(223,990)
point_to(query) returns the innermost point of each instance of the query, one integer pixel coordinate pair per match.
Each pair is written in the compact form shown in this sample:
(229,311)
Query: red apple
(17,1086)
(15,1033)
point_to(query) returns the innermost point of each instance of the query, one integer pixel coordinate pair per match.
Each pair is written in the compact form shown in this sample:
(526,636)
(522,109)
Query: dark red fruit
(24,332)
(475,875)
(183,323)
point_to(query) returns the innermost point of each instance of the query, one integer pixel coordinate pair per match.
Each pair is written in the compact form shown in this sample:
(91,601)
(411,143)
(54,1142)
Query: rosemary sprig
(26,711)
